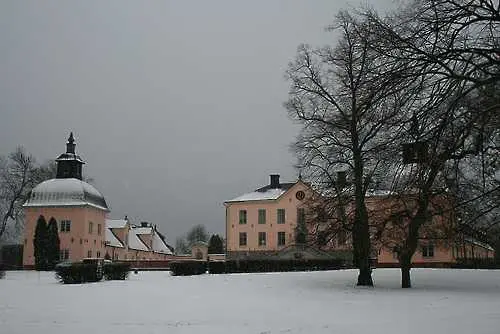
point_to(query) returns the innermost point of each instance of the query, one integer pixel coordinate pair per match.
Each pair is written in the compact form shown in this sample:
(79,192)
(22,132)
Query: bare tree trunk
(361,228)
(405,263)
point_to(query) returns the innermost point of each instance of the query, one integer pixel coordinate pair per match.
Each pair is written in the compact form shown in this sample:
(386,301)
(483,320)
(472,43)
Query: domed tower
(79,209)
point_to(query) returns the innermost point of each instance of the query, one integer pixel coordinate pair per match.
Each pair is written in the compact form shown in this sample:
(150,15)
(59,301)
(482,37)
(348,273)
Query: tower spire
(69,164)
(70,145)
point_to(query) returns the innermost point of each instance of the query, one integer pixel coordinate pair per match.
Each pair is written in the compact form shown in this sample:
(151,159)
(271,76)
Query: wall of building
(78,240)
(442,254)
(288,201)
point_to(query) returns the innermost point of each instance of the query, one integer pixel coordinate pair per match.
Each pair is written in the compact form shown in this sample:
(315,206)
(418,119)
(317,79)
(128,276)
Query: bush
(2,271)
(186,268)
(116,270)
(476,264)
(78,272)
(217,267)
(278,265)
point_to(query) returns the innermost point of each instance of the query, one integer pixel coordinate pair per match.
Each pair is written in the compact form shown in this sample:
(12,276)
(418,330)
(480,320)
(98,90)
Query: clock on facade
(300,195)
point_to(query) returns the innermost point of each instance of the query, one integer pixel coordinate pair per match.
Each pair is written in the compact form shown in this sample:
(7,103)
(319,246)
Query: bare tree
(18,175)
(453,49)
(346,98)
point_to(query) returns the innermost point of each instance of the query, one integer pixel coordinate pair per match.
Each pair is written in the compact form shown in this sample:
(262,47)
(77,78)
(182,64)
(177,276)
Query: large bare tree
(347,99)
(453,47)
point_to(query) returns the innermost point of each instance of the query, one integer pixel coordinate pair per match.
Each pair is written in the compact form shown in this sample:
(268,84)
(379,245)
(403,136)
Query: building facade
(126,241)
(268,221)
(81,213)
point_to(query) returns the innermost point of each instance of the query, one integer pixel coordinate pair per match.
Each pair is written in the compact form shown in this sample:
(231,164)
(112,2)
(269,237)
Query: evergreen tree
(40,244)
(215,245)
(53,244)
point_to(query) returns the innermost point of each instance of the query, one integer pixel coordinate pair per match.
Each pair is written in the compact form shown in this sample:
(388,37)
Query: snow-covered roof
(70,157)
(270,194)
(66,192)
(116,223)
(159,245)
(134,242)
(112,240)
(143,230)
(479,243)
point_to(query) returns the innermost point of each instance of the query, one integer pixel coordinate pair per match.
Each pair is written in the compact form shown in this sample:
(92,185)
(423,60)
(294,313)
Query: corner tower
(78,208)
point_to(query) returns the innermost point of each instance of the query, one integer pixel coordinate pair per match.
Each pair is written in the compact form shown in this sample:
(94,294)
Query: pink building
(266,222)
(126,241)
(81,213)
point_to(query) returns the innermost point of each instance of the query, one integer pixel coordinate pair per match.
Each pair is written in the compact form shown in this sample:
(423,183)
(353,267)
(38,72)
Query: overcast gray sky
(176,106)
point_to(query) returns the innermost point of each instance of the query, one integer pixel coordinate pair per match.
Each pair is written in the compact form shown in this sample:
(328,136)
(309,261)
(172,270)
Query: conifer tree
(215,245)
(53,244)
(40,244)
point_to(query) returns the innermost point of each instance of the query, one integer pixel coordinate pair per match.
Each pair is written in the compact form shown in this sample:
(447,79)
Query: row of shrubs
(183,268)
(2,271)
(476,264)
(80,272)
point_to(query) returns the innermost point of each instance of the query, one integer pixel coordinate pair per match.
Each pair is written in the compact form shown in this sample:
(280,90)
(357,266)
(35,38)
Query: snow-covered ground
(442,301)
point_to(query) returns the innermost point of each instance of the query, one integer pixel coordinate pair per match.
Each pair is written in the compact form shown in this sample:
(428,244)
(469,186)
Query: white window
(64,254)
(428,250)
(281,216)
(243,216)
(281,238)
(243,239)
(65,226)
(262,238)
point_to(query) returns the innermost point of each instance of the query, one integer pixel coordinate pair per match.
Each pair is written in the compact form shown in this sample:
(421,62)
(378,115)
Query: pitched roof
(264,193)
(111,239)
(159,245)
(116,223)
(134,242)
(142,230)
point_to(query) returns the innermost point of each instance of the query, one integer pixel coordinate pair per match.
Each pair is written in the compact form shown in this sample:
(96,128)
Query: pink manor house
(261,223)
(82,216)
(264,222)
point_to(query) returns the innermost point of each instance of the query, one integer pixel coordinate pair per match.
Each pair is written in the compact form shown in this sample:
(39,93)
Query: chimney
(144,224)
(275,181)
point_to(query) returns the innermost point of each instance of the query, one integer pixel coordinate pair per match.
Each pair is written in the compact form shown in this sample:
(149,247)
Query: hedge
(217,267)
(116,270)
(274,265)
(78,272)
(2,271)
(476,264)
(186,268)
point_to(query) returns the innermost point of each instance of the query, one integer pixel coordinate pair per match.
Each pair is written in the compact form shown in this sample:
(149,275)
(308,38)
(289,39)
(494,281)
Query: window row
(91,228)
(280,216)
(89,254)
(65,226)
(426,250)
(262,239)
(64,254)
